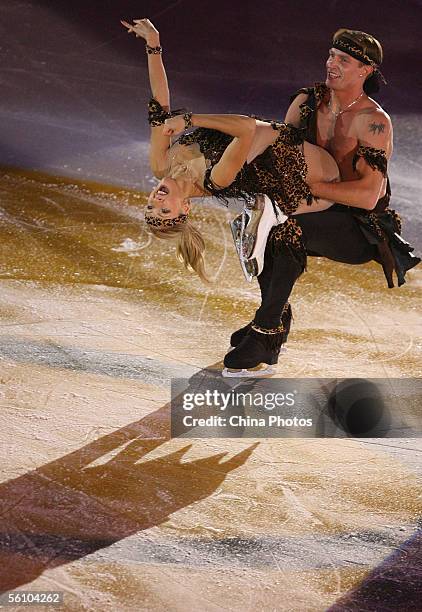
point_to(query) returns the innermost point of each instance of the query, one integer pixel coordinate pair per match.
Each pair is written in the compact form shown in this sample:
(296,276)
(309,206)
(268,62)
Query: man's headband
(355,50)
(157,222)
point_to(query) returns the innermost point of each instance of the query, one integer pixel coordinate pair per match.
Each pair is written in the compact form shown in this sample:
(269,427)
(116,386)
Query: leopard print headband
(161,223)
(355,50)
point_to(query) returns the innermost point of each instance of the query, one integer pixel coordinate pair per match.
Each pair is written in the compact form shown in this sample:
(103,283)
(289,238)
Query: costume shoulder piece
(375,158)
(315,93)
(308,108)
(157,114)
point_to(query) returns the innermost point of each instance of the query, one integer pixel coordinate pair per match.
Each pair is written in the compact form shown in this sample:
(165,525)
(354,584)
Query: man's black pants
(333,233)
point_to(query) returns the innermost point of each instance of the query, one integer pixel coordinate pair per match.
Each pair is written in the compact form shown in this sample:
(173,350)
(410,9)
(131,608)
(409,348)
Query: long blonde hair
(190,246)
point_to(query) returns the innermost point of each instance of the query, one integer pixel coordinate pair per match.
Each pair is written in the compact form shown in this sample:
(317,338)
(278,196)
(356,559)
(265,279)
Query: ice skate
(237,336)
(255,354)
(285,320)
(250,232)
(237,227)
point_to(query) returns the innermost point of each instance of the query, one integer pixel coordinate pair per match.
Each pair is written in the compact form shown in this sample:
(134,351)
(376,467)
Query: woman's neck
(187,166)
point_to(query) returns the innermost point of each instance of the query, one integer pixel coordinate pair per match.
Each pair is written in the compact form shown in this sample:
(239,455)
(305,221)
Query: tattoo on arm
(376,128)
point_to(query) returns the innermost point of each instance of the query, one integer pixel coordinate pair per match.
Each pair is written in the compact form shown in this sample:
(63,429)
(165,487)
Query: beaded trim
(157,222)
(267,331)
(187,118)
(344,44)
(154,50)
(278,329)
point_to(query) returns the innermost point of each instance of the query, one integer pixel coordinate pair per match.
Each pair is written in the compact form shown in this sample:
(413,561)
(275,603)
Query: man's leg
(333,234)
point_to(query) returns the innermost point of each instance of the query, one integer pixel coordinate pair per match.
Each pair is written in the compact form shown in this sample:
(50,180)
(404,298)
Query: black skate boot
(237,336)
(259,346)
(286,321)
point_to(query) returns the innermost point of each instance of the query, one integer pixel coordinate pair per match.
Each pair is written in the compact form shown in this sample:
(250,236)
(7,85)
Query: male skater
(339,116)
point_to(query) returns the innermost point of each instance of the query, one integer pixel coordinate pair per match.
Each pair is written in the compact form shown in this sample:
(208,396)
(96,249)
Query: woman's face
(167,201)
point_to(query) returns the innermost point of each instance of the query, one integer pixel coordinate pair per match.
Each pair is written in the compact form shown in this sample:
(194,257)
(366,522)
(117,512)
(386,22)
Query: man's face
(343,71)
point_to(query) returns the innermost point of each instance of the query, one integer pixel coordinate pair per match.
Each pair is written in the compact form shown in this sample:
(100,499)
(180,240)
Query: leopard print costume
(279,172)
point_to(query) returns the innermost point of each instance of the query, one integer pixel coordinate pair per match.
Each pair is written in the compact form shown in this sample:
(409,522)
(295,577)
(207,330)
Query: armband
(154,50)
(156,113)
(375,158)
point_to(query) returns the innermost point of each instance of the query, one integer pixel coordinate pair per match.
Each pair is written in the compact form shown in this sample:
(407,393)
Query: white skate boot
(250,232)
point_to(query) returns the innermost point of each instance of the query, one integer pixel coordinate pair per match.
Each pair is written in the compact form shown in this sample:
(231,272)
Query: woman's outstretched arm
(160,142)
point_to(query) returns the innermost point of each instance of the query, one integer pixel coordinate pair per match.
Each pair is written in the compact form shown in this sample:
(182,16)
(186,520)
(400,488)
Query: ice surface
(96,500)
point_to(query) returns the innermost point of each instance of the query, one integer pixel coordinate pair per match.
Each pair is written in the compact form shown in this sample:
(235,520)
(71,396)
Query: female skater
(228,156)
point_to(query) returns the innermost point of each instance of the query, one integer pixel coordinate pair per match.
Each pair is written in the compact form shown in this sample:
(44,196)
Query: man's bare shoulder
(372,119)
(301,97)
(293,112)
(372,126)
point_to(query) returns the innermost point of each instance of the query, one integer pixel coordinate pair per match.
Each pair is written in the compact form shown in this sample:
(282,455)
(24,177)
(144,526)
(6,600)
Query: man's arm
(372,130)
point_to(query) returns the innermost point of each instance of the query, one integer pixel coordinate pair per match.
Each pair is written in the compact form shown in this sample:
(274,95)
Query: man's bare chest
(337,136)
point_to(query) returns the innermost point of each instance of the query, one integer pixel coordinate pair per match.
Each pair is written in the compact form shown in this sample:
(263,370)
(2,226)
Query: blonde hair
(190,247)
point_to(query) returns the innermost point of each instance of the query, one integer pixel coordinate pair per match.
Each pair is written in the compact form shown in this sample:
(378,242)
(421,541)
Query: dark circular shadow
(357,406)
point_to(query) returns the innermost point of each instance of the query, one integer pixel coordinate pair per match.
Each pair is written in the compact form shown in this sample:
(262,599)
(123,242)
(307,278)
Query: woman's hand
(174,126)
(143,28)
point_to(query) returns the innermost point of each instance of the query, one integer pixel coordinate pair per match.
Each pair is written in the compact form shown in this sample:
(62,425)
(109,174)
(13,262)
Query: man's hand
(143,28)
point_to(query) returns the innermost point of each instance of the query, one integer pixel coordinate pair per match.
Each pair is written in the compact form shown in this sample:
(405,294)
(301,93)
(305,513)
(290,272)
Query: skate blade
(237,227)
(244,373)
